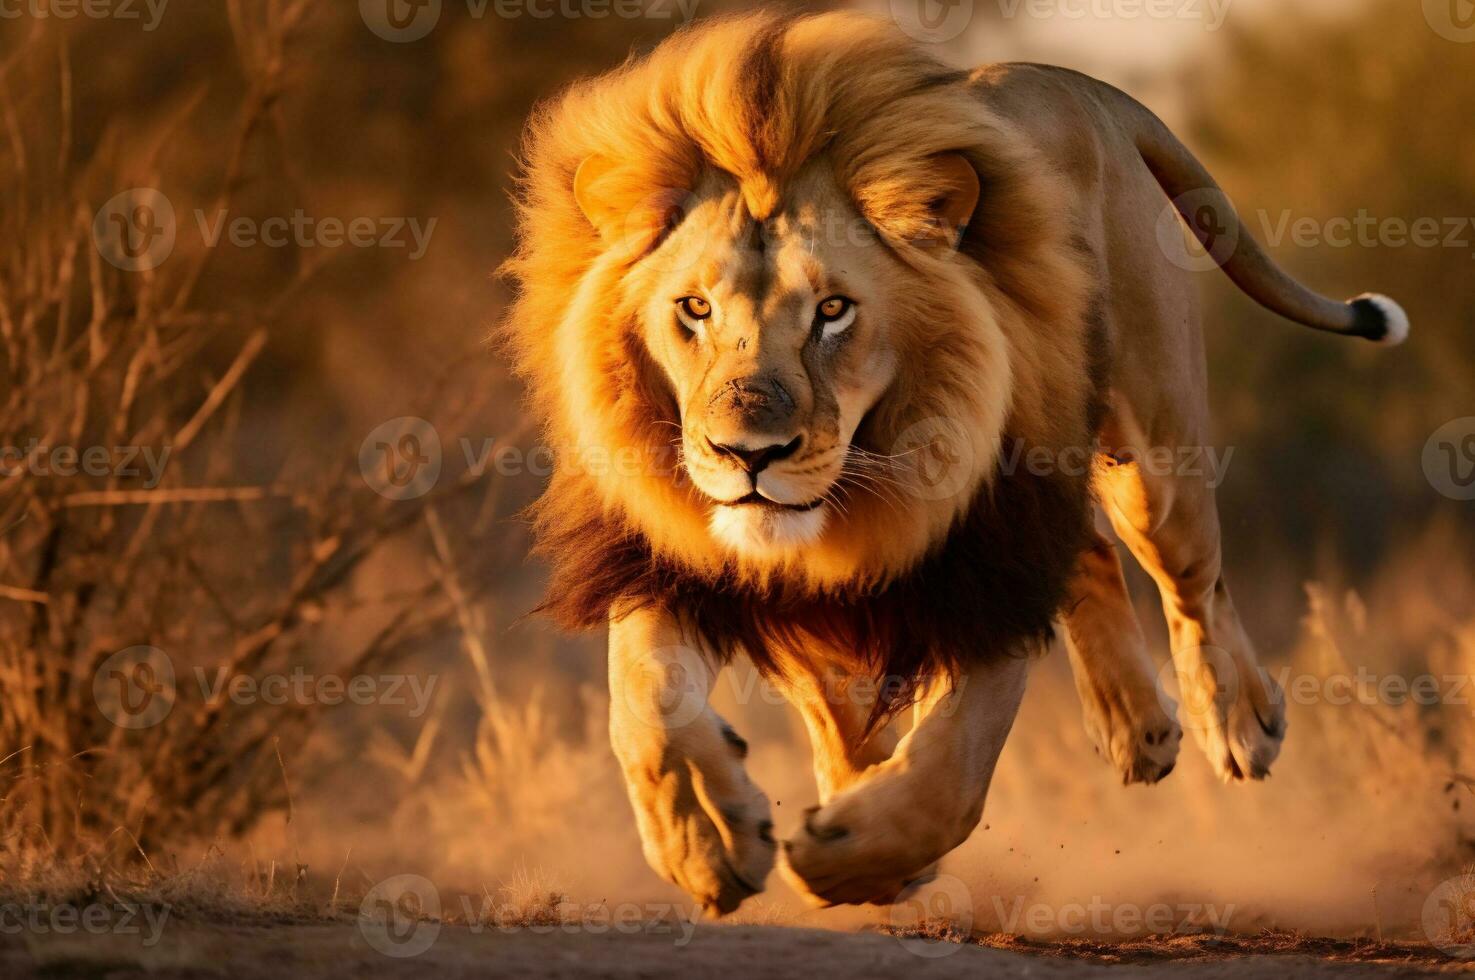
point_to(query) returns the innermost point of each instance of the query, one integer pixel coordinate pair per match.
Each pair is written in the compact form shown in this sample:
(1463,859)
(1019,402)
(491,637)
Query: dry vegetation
(228,563)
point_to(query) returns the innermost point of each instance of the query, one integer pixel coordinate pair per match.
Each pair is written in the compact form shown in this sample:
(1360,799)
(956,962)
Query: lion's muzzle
(752,421)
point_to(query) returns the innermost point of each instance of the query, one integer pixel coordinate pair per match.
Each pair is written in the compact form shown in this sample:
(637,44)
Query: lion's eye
(691,311)
(835,314)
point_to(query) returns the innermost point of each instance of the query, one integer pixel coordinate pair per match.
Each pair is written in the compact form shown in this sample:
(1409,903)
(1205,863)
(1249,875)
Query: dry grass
(232,564)
(212,889)
(529,898)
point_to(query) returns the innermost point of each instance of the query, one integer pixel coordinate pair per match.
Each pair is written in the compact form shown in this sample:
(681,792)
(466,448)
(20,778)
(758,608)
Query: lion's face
(775,339)
(788,347)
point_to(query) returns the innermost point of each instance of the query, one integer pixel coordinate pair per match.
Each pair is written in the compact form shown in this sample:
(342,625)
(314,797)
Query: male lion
(902,327)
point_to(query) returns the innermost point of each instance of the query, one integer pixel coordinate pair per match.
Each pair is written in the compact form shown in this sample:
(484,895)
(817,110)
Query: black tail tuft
(1378,319)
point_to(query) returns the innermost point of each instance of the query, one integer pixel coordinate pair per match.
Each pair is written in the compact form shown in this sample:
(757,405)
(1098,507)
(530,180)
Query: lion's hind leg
(1168,518)
(1127,716)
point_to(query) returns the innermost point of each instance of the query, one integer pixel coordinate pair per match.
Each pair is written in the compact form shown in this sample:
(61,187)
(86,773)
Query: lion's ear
(953,189)
(594,204)
(626,214)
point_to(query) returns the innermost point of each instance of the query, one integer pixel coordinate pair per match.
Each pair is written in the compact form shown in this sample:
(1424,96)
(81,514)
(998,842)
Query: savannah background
(265,546)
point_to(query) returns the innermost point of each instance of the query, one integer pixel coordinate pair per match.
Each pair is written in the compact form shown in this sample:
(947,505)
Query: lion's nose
(759,402)
(754,459)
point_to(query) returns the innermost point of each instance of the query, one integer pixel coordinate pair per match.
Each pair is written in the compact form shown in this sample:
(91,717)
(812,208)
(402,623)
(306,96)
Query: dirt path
(451,951)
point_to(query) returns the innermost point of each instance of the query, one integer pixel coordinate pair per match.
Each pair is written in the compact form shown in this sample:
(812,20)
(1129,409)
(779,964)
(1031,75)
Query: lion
(840,352)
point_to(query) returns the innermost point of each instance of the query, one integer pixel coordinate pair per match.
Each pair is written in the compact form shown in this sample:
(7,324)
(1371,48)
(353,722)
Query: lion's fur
(1001,337)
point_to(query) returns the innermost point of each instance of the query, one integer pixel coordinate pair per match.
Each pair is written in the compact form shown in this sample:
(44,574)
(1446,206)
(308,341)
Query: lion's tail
(1211,216)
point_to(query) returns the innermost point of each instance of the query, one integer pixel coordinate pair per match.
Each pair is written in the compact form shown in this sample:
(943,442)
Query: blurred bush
(1360,113)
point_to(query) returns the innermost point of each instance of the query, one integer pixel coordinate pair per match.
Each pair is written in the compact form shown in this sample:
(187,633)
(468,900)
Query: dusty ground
(343,949)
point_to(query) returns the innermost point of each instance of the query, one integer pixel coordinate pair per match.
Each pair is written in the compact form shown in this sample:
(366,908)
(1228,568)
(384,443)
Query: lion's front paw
(1237,713)
(873,841)
(1136,733)
(704,826)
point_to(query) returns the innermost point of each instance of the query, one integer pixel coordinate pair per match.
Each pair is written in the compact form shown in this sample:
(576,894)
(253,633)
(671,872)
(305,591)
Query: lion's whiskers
(880,491)
(868,454)
(874,472)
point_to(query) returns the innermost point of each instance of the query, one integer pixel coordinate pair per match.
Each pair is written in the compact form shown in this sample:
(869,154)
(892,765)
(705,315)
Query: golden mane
(757,97)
